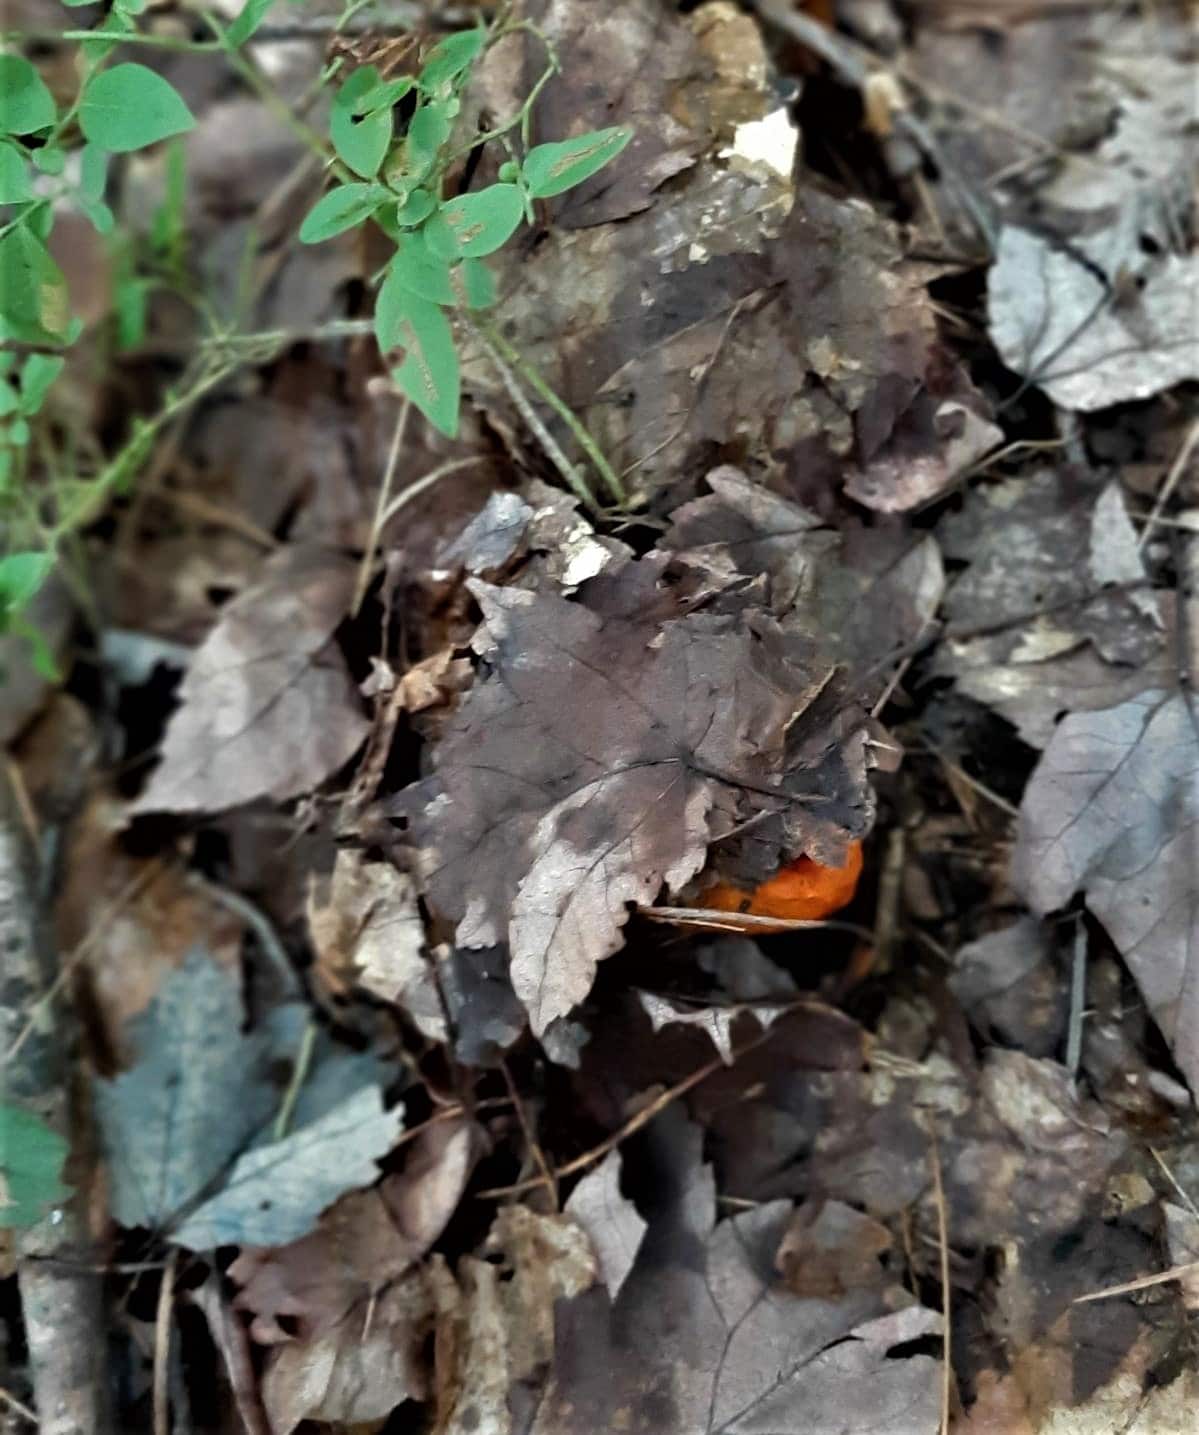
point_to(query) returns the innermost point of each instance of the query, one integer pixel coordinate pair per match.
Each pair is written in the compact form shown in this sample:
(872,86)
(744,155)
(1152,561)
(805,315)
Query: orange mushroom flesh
(803,890)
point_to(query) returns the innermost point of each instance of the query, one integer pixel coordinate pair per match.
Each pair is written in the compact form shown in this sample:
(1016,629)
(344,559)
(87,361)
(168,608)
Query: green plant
(31,1162)
(396,143)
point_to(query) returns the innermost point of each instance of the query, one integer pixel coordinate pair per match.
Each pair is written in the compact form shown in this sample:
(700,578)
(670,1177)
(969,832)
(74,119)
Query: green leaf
(385,95)
(26,105)
(360,142)
(551,168)
(18,433)
(450,57)
(15,186)
(93,171)
(9,399)
(50,159)
(251,15)
(38,372)
(429,374)
(130,7)
(21,575)
(428,131)
(129,107)
(33,292)
(475,224)
(474,284)
(420,273)
(341,209)
(131,299)
(420,205)
(31,1162)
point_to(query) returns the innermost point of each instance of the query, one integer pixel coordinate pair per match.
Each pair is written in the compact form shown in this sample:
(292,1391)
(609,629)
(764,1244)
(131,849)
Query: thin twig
(426,481)
(531,1141)
(573,479)
(1173,1180)
(12,1403)
(1078,997)
(1177,469)
(1173,1273)
(634,1124)
(389,473)
(162,1347)
(943,1247)
(747,921)
(299,1073)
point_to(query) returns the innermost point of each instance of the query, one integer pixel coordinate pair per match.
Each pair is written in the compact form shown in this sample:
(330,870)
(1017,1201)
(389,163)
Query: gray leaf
(196,1096)
(276,1193)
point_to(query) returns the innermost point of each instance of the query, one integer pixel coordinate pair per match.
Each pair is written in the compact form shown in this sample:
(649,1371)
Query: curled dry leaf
(367,931)
(267,707)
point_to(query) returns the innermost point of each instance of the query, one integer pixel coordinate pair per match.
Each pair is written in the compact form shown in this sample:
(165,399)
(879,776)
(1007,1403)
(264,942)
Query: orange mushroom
(802,890)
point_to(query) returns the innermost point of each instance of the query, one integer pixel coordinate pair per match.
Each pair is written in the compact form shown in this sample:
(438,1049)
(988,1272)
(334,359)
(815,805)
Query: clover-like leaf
(450,57)
(475,224)
(430,374)
(360,138)
(15,186)
(342,208)
(131,106)
(33,292)
(26,105)
(550,169)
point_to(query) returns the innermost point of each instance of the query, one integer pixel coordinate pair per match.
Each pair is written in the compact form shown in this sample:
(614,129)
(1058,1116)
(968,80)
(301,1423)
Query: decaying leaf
(1054,610)
(704,1337)
(716,1022)
(267,707)
(1057,321)
(1112,810)
(362,1244)
(276,1193)
(198,1094)
(610,1219)
(367,931)
(613,741)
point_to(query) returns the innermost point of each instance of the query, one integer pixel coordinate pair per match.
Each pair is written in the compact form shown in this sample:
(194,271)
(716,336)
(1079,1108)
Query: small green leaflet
(549,169)
(427,132)
(251,15)
(38,372)
(429,374)
(21,575)
(448,59)
(341,209)
(15,187)
(474,284)
(107,33)
(31,1162)
(33,292)
(419,206)
(418,272)
(475,224)
(50,159)
(360,143)
(385,95)
(129,107)
(26,105)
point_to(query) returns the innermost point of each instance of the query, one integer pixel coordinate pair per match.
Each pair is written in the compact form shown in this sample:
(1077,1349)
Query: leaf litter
(892,363)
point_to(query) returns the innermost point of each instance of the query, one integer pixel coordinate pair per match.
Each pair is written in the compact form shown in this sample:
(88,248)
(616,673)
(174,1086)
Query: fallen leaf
(610,1220)
(716,1022)
(1011,987)
(363,1243)
(596,763)
(358,1371)
(276,1193)
(367,931)
(830,1249)
(267,707)
(703,1336)
(1053,611)
(196,1095)
(1112,810)
(1056,321)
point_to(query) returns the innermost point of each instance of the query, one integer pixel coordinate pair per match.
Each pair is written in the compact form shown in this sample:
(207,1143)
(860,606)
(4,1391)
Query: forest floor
(385,852)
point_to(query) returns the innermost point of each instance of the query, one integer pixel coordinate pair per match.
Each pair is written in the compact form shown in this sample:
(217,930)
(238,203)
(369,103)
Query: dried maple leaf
(611,742)
(267,707)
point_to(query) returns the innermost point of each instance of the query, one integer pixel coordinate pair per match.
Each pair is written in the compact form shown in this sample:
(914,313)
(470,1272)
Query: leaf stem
(533,378)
